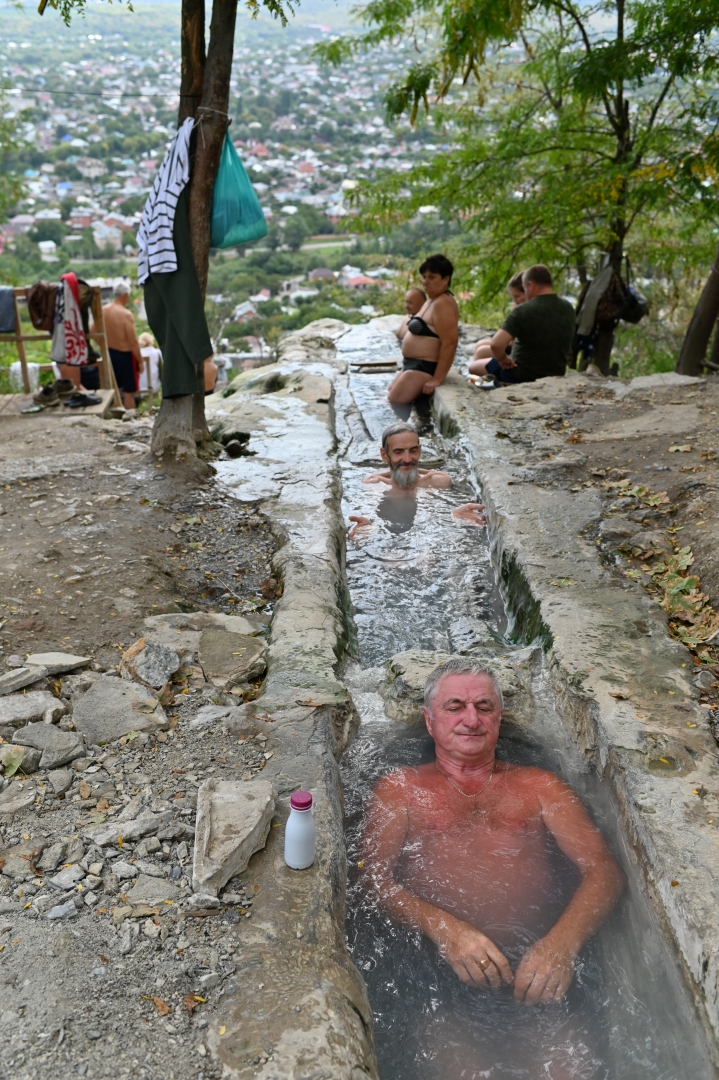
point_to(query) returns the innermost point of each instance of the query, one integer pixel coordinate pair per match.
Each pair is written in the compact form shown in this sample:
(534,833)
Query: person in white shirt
(153,362)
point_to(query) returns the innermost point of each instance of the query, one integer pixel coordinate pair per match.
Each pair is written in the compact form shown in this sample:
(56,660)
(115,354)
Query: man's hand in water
(475,959)
(360,523)
(544,973)
(470,513)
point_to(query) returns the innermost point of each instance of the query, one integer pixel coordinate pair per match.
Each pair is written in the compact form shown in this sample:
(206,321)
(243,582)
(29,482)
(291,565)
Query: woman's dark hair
(517,281)
(437,264)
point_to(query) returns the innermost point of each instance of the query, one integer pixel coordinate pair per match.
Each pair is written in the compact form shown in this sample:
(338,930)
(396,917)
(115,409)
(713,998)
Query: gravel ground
(117,987)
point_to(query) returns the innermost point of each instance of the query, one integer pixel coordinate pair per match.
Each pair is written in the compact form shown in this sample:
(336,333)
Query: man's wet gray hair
(396,429)
(121,288)
(460,665)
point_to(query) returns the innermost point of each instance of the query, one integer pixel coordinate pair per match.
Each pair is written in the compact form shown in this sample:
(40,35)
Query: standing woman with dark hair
(429,345)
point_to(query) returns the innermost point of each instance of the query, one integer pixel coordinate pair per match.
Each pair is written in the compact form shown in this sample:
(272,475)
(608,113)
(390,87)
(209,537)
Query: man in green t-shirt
(540,332)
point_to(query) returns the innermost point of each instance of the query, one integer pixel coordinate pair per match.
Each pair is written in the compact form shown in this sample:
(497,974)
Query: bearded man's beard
(404,478)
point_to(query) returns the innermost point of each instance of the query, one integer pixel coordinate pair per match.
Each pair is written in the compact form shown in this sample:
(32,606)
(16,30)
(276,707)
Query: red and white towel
(69,344)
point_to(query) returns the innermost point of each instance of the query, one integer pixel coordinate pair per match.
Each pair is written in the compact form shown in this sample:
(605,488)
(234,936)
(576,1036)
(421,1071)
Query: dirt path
(94,537)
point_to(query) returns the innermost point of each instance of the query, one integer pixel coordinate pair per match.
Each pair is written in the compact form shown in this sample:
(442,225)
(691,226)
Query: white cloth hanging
(154,237)
(69,344)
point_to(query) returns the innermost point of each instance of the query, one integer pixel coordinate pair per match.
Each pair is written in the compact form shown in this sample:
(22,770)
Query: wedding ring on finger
(484,964)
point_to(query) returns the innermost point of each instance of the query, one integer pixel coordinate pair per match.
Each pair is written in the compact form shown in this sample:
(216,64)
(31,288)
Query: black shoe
(79,401)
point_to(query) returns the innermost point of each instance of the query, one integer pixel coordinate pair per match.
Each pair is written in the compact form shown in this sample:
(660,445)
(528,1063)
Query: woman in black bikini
(430,343)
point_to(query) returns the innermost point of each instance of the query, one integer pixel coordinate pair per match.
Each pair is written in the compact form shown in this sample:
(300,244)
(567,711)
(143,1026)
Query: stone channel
(297,1006)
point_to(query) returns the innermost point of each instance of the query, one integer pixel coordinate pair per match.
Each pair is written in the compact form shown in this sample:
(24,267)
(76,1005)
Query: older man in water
(462,849)
(401,451)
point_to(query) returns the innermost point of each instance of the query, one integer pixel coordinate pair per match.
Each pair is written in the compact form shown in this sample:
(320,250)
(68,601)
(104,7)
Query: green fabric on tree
(176,314)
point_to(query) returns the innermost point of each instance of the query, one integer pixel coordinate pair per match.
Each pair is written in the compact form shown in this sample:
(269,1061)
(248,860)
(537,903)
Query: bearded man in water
(459,849)
(401,451)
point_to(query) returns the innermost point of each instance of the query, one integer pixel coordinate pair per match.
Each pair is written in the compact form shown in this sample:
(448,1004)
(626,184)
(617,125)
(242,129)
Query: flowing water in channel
(420,579)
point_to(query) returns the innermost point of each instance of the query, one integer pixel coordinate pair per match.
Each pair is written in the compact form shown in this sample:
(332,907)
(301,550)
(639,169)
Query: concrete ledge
(296,1005)
(604,637)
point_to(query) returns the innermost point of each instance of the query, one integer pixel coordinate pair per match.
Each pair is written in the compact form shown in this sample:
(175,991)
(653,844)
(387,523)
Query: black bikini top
(417,326)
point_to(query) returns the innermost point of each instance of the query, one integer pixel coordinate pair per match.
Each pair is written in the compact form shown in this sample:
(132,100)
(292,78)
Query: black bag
(636,306)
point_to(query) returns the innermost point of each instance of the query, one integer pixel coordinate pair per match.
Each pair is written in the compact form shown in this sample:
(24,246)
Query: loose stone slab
(227,658)
(60,780)
(233,820)
(56,517)
(114,707)
(20,677)
(68,877)
(18,710)
(144,825)
(57,662)
(18,796)
(617,528)
(16,859)
(149,662)
(151,890)
(58,747)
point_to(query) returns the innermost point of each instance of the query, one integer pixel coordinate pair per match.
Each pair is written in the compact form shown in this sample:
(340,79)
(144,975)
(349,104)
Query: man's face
(413,301)
(465,717)
(434,284)
(402,455)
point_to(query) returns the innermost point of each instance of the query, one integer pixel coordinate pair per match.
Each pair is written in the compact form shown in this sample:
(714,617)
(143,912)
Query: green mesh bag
(237,216)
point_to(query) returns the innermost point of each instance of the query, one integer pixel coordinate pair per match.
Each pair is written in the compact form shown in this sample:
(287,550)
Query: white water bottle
(300,832)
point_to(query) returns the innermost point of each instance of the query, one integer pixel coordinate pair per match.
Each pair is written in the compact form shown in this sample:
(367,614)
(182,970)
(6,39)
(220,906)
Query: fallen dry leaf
(102,804)
(191,1001)
(562,582)
(162,1007)
(685,449)
(84,789)
(620,695)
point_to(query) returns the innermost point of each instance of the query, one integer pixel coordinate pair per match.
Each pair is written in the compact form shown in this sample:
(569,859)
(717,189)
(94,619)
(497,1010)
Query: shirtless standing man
(431,340)
(476,877)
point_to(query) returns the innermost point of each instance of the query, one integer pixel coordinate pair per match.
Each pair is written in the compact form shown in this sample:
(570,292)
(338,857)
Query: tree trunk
(603,348)
(204,94)
(705,315)
(172,431)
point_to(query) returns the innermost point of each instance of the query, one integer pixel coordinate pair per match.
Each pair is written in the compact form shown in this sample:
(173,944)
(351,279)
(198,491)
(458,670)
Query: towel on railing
(7,310)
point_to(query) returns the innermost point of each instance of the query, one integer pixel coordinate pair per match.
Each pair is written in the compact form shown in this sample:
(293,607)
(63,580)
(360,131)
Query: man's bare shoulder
(540,783)
(435,478)
(397,786)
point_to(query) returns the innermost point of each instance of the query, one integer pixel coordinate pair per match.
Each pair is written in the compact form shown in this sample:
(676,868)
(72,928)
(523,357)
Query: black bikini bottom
(426,366)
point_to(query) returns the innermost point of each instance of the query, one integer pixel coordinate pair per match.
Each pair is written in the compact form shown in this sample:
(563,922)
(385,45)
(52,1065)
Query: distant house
(245,312)
(303,294)
(21,223)
(322,273)
(261,297)
(47,250)
(90,168)
(80,219)
(306,167)
(361,281)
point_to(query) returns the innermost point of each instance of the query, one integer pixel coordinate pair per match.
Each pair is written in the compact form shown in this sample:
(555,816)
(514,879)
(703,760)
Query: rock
(151,890)
(114,707)
(62,911)
(407,673)
(208,715)
(20,677)
(144,825)
(16,797)
(7,907)
(53,856)
(57,747)
(616,529)
(14,659)
(151,929)
(149,662)
(57,662)
(240,721)
(209,981)
(68,877)
(467,633)
(22,708)
(17,859)
(649,541)
(233,820)
(56,517)
(54,713)
(60,780)
(124,871)
(29,759)
(663,378)
(228,659)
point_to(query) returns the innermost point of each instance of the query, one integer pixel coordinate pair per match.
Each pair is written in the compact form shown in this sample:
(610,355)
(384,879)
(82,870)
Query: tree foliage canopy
(565,126)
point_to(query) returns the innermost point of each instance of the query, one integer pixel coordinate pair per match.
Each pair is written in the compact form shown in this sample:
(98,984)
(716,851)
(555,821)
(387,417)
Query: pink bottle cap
(301,800)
